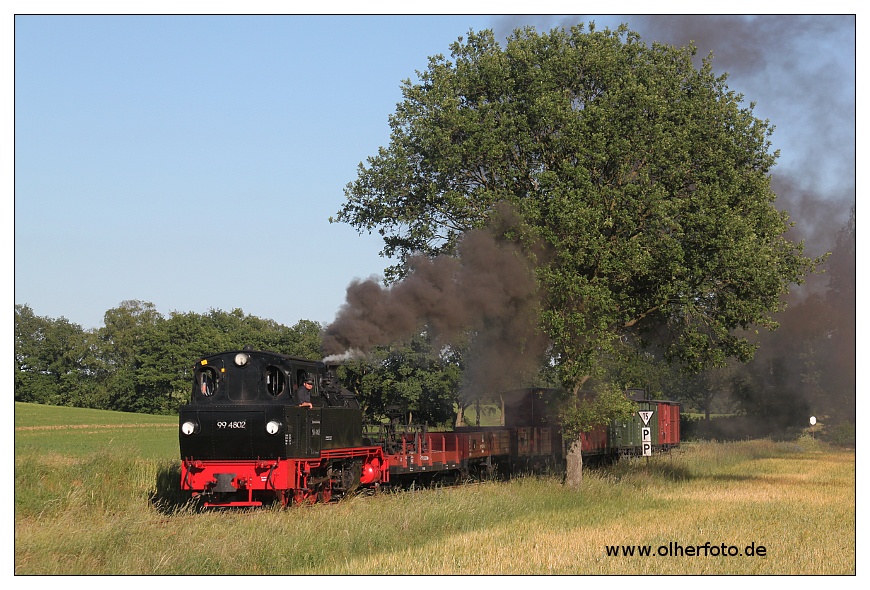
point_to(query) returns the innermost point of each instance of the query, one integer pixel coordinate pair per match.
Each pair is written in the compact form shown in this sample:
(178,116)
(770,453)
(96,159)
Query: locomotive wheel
(302,496)
(350,476)
(299,496)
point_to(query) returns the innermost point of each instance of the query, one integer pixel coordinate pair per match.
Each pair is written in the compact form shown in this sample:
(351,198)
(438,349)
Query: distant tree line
(139,361)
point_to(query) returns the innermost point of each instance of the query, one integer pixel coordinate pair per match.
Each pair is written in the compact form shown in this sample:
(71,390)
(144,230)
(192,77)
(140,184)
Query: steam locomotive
(245,440)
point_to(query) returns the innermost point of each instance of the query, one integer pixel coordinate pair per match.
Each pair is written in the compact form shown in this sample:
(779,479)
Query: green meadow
(96,493)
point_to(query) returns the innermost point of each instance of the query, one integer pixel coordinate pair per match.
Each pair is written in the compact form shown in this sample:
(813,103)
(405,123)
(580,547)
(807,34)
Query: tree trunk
(574,455)
(574,468)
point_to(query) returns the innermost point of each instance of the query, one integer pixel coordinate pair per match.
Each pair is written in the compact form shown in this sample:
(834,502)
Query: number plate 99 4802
(237,424)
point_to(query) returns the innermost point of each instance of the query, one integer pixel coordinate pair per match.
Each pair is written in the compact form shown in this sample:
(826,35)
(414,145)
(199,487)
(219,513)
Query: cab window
(275,380)
(206,379)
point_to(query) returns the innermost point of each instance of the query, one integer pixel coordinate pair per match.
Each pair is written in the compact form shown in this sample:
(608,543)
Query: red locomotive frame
(290,480)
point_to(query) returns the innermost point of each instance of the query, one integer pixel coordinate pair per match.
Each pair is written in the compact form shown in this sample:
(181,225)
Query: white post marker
(646,432)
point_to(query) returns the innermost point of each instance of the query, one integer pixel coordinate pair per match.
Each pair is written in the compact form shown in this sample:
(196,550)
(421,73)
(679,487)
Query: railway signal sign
(645,415)
(646,440)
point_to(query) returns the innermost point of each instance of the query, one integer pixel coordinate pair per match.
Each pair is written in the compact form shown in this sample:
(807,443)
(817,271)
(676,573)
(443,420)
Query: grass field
(96,493)
(80,432)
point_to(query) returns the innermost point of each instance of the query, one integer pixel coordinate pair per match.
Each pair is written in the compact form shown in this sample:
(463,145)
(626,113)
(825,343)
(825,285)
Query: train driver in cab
(303,393)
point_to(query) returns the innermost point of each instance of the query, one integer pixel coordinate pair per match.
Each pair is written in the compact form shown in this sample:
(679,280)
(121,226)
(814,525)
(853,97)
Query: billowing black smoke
(487,295)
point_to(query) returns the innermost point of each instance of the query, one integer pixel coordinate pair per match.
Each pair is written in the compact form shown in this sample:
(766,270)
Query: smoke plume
(488,291)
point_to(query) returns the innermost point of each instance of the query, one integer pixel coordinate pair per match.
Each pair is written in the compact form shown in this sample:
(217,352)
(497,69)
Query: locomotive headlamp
(273,426)
(189,427)
(241,359)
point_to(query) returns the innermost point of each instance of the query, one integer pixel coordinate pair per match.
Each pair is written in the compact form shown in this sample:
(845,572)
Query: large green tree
(642,181)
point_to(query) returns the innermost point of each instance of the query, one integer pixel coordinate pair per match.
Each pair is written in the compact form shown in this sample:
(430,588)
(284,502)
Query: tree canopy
(642,183)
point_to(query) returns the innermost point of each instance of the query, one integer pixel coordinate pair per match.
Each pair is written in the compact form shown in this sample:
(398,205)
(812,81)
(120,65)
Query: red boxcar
(595,442)
(669,424)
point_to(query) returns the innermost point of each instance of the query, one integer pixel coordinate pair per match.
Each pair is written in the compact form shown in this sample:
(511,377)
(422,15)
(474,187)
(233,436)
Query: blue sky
(194,161)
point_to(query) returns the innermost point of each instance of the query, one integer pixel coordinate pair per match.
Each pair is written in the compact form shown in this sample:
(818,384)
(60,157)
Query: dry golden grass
(800,507)
(95,516)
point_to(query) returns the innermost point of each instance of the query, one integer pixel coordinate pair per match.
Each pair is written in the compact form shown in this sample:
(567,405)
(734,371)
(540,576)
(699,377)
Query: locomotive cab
(248,376)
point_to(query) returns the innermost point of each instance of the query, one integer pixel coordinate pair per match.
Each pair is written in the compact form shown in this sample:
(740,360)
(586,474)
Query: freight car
(655,424)
(245,439)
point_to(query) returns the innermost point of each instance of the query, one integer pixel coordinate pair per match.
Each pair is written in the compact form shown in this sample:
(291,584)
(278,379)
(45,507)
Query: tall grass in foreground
(104,514)
(95,499)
